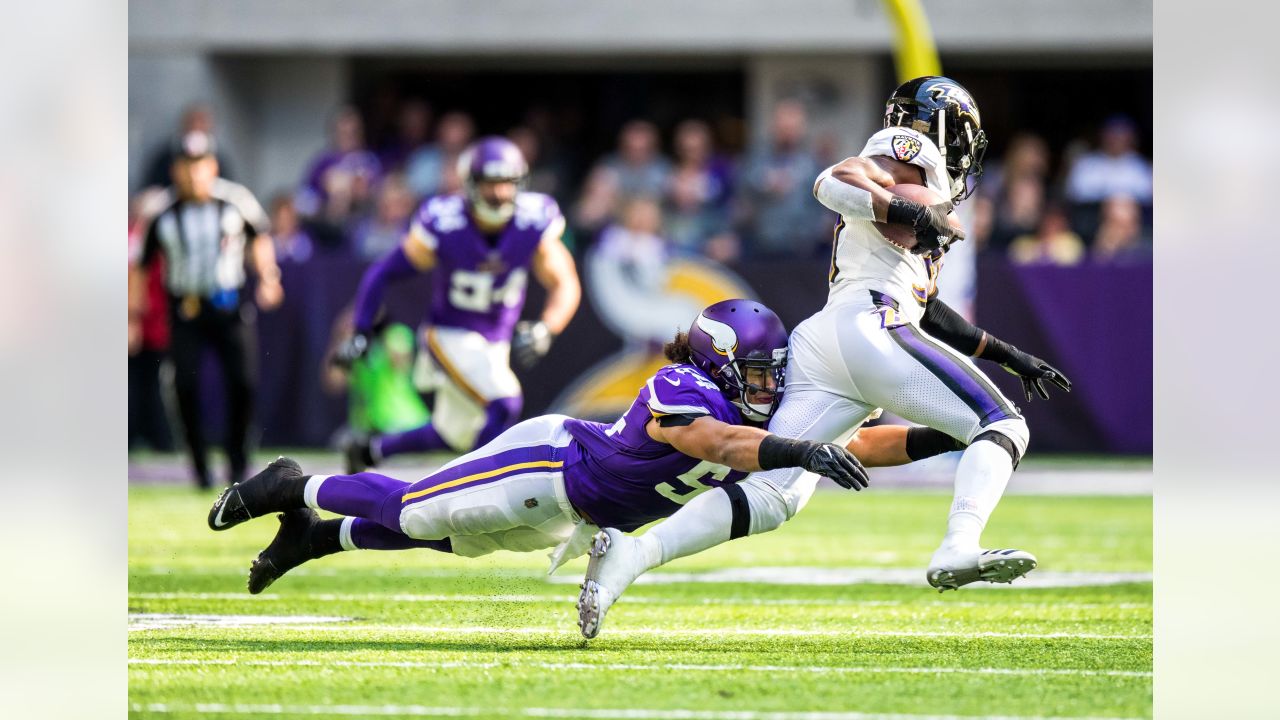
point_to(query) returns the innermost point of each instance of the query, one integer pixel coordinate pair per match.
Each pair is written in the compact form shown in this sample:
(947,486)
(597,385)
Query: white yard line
(600,714)
(165,621)
(638,600)
(663,667)
(690,632)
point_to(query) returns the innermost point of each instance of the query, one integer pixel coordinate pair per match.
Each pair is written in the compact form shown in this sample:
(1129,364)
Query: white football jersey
(863,260)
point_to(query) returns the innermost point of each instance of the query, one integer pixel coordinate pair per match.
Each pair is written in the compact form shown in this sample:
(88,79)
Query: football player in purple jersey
(480,245)
(553,481)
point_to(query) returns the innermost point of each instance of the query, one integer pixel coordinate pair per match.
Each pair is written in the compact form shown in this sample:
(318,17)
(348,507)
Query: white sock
(344,534)
(312,489)
(981,477)
(702,523)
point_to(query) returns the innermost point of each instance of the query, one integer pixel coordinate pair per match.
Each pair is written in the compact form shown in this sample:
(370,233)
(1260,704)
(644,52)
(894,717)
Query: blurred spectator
(293,243)
(1053,243)
(637,168)
(1120,235)
(697,195)
(545,175)
(379,234)
(205,233)
(341,180)
(431,169)
(413,125)
(598,201)
(1011,196)
(777,184)
(640,166)
(148,339)
(1115,168)
(197,117)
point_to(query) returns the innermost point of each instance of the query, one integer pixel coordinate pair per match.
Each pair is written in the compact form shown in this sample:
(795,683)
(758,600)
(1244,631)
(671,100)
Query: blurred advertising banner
(1092,321)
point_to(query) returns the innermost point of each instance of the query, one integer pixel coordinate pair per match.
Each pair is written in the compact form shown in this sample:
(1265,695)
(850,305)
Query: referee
(208,231)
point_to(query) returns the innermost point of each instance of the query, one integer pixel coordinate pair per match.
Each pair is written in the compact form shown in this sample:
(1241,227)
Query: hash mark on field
(698,632)
(664,667)
(639,600)
(601,714)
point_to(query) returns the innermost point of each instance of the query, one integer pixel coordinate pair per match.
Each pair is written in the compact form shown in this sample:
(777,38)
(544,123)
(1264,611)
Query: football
(902,235)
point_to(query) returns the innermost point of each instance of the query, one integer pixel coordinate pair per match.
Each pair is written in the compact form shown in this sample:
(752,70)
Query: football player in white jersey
(883,341)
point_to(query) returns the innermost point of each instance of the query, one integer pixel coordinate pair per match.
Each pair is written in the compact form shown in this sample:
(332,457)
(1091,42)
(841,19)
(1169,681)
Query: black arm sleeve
(948,326)
(677,420)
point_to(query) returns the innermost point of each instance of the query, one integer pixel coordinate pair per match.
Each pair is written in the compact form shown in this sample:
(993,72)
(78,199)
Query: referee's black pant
(230,334)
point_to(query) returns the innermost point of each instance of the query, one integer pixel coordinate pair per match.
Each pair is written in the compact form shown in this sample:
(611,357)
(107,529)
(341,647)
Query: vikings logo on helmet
(724,339)
(905,147)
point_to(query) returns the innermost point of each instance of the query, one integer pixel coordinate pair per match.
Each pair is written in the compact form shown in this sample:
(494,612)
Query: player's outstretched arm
(416,254)
(888,445)
(749,449)
(556,272)
(950,327)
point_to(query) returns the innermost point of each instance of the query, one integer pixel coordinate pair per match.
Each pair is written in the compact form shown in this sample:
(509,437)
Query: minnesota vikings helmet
(942,109)
(491,159)
(731,336)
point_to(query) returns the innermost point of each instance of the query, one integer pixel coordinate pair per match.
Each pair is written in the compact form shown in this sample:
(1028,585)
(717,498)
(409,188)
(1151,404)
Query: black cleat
(266,492)
(357,455)
(290,548)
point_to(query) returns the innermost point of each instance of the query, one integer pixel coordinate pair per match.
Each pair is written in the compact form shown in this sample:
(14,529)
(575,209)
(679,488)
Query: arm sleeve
(950,327)
(848,200)
(395,266)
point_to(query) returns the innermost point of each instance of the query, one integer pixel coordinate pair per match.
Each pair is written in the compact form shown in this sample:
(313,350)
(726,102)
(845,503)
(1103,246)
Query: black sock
(324,538)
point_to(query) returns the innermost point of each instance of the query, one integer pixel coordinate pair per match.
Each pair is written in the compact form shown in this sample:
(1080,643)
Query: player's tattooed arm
(750,449)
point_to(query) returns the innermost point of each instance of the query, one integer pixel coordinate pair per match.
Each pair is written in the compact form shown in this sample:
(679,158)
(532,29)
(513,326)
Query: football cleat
(257,496)
(290,548)
(614,563)
(356,454)
(995,566)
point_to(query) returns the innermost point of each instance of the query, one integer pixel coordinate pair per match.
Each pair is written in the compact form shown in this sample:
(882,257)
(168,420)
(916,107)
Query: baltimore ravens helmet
(942,109)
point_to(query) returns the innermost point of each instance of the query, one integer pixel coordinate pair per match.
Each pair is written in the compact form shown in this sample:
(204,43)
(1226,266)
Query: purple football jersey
(479,281)
(620,477)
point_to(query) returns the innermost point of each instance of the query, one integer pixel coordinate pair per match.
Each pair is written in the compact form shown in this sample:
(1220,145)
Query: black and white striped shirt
(204,243)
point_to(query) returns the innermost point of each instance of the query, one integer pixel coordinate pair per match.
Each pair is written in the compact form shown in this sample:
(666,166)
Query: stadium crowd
(1092,203)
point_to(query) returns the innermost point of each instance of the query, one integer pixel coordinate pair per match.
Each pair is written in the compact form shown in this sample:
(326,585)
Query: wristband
(902,211)
(925,442)
(779,452)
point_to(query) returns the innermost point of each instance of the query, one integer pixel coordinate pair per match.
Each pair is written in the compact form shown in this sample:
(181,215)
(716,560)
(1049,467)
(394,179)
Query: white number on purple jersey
(474,291)
(693,479)
(698,378)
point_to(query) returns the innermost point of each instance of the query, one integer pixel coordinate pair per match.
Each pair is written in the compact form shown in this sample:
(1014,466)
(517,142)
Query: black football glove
(530,342)
(832,461)
(928,222)
(1033,372)
(351,350)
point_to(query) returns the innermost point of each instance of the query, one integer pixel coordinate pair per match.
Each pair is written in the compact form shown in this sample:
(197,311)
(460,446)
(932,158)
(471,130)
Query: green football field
(828,618)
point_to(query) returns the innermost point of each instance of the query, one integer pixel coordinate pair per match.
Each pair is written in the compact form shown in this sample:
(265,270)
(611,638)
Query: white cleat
(952,570)
(614,563)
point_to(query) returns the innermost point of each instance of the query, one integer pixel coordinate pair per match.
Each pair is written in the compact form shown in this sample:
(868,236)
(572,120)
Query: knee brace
(757,508)
(1004,441)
